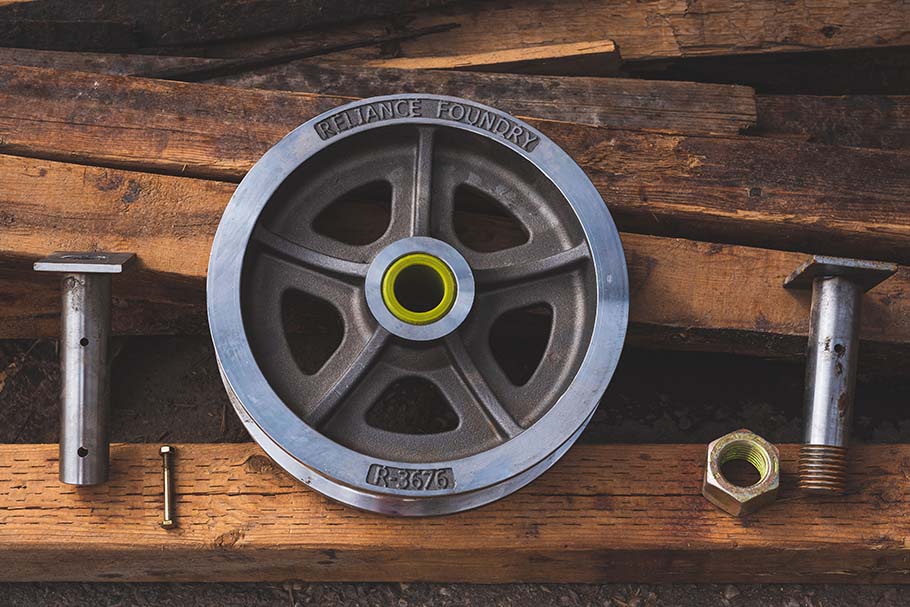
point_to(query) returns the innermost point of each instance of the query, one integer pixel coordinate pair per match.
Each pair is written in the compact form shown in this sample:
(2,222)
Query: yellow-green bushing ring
(439,267)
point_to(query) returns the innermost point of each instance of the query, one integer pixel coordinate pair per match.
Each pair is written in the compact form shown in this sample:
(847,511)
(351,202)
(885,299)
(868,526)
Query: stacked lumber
(720,191)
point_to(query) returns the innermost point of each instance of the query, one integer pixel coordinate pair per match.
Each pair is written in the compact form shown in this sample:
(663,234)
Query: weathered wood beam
(567,58)
(67,33)
(873,121)
(102,63)
(745,190)
(171,22)
(238,65)
(685,294)
(628,513)
(643,30)
(625,103)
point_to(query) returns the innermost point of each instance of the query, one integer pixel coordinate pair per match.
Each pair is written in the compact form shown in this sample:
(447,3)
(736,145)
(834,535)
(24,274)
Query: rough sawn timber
(741,190)
(630,513)
(685,294)
(643,30)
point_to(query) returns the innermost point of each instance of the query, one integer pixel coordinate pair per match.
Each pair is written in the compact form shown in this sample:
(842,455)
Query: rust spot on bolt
(843,403)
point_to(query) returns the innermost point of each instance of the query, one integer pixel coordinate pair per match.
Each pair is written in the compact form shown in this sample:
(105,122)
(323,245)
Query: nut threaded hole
(745,451)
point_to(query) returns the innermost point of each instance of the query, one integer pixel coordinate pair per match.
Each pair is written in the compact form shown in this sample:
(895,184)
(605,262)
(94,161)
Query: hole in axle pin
(81,451)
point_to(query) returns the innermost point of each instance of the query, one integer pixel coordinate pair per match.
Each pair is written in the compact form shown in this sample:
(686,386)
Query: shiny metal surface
(84,262)
(464,280)
(169,518)
(299,437)
(831,361)
(832,353)
(85,394)
(85,367)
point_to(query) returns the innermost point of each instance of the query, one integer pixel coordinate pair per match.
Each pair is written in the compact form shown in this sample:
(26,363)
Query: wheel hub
(419,288)
(373,290)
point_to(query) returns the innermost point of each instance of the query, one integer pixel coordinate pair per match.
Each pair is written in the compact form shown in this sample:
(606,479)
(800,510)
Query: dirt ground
(168,389)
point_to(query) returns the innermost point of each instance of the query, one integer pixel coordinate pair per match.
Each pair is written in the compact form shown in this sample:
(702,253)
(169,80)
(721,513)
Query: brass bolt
(167,455)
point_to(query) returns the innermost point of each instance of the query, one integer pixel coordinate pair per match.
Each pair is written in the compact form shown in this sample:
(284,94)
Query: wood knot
(258,464)
(228,539)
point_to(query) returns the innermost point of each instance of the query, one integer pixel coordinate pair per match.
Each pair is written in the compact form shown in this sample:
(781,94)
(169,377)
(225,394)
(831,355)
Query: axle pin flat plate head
(864,273)
(90,262)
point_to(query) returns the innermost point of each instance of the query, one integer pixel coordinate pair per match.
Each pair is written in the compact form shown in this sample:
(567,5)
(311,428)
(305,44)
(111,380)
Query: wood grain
(625,103)
(643,30)
(585,57)
(604,513)
(741,190)
(102,63)
(171,22)
(685,294)
(874,121)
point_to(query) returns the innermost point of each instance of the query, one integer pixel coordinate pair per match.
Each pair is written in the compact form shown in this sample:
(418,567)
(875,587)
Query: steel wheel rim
(341,472)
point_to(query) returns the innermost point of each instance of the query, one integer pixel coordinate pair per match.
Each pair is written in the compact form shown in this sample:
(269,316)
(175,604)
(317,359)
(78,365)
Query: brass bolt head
(734,499)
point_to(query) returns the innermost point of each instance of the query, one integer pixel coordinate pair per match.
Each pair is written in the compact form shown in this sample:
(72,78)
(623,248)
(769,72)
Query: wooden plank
(685,294)
(625,103)
(68,34)
(745,190)
(102,63)
(873,121)
(642,29)
(629,513)
(862,71)
(585,57)
(172,22)
(237,65)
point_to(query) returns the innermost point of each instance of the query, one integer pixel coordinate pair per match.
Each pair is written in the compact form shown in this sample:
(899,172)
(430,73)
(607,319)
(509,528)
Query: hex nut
(748,446)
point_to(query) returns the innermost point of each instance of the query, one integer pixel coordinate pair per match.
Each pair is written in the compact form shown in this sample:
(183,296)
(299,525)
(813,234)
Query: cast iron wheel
(434,234)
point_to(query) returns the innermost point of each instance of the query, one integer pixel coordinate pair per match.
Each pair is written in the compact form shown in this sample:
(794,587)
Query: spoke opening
(519,339)
(313,328)
(412,405)
(483,224)
(359,217)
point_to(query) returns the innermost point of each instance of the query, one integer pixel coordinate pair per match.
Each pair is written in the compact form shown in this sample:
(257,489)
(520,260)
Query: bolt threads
(822,469)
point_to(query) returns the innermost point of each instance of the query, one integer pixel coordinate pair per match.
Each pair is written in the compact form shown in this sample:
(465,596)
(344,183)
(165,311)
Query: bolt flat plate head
(864,273)
(91,262)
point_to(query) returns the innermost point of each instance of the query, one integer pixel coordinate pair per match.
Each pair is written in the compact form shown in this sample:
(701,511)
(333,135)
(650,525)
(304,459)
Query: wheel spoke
(348,422)
(533,269)
(323,409)
(413,185)
(272,279)
(477,384)
(423,183)
(307,257)
(561,294)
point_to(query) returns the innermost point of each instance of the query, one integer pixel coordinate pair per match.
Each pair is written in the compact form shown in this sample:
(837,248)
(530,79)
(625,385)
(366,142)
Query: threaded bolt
(831,358)
(822,469)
